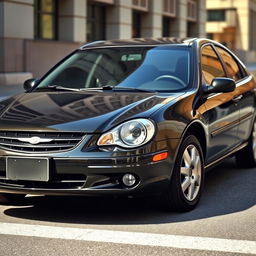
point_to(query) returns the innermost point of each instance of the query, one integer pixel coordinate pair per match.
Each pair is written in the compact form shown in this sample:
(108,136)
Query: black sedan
(129,118)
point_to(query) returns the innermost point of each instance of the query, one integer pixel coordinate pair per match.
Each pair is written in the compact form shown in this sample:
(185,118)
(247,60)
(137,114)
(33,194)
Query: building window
(96,22)
(192,10)
(141,5)
(169,7)
(209,36)
(166,27)
(192,25)
(136,24)
(216,15)
(46,19)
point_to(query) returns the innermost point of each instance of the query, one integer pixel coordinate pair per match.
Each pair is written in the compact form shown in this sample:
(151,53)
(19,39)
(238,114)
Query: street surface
(8,90)
(93,226)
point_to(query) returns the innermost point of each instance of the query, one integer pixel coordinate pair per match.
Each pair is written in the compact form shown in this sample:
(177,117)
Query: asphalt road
(94,226)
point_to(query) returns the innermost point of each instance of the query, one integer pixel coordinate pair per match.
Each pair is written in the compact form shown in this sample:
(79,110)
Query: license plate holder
(31,169)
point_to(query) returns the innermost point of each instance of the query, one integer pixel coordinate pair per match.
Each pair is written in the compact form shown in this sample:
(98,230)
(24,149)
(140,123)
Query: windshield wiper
(104,88)
(115,88)
(59,87)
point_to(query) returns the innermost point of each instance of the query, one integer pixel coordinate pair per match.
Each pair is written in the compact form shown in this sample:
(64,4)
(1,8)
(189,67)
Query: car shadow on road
(227,190)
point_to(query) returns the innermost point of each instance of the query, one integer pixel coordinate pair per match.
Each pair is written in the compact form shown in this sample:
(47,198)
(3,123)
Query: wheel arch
(197,129)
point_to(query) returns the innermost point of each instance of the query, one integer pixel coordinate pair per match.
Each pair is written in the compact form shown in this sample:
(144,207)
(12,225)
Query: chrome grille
(51,141)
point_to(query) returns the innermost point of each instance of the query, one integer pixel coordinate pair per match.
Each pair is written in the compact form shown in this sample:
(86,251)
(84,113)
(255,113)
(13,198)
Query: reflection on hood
(53,108)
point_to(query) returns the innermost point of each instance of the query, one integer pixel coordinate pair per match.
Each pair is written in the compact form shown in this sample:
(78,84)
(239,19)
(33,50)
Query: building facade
(233,23)
(35,34)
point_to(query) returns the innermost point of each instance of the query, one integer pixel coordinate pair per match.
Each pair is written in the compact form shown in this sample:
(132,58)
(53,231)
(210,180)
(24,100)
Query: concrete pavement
(9,90)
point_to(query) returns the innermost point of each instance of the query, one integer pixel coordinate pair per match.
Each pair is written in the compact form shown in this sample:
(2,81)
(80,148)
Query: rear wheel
(246,158)
(185,189)
(6,198)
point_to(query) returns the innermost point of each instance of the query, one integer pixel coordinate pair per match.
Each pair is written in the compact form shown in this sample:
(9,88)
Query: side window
(231,64)
(211,65)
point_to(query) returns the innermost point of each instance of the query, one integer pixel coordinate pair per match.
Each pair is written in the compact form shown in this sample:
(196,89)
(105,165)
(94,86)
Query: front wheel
(6,198)
(246,157)
(185,188)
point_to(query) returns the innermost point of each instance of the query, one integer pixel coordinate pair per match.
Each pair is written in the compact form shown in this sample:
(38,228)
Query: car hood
(91,112)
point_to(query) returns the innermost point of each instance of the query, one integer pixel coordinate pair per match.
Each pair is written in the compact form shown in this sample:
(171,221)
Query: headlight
(130,134)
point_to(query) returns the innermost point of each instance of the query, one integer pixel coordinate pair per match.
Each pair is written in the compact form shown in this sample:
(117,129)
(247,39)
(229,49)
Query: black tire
(246,157)
(177,198)
(6,198)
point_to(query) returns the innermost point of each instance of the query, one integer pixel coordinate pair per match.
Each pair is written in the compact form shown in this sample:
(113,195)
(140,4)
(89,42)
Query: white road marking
(134,238)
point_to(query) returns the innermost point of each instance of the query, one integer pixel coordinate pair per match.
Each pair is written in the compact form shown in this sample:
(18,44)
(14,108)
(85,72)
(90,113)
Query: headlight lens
(130,134)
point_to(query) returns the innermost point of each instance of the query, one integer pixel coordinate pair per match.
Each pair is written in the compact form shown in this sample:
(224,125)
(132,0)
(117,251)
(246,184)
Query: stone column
(17,19)
(72,20)
(179,25)
(151,25)
(242,35)
(119,20)
(16,24)
(201,18)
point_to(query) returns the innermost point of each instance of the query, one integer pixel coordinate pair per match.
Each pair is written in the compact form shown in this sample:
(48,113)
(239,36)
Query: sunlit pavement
(6,91)
(92,225)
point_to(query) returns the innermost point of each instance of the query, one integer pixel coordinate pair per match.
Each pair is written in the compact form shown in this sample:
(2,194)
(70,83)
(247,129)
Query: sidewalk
(9,90)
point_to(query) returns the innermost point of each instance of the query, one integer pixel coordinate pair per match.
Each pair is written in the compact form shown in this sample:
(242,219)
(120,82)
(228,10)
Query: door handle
(237,98)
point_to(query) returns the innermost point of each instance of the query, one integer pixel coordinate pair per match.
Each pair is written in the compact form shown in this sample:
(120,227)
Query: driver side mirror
(29,84)
(220,85)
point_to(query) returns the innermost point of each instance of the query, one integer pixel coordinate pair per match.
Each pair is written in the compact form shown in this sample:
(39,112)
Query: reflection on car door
(245,95)
(222,113)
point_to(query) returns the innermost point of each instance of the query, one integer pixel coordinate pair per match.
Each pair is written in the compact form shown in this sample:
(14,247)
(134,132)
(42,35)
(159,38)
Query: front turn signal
(160,156)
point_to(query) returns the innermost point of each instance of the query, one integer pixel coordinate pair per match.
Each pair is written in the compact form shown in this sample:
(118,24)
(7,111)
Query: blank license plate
(35,169)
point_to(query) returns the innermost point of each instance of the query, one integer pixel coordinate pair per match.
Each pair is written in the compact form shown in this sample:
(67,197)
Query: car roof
(141,42)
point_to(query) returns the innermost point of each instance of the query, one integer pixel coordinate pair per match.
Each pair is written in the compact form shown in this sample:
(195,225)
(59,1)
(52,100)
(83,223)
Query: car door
(222,113)
(245,95)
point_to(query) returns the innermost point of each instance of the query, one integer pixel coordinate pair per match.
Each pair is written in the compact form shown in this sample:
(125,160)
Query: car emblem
(34,140)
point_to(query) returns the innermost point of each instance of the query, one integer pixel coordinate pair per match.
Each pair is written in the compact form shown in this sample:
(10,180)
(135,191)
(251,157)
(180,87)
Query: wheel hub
(191,171)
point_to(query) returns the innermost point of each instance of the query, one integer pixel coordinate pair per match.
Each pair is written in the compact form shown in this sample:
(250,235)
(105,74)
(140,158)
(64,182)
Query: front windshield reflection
(158,68)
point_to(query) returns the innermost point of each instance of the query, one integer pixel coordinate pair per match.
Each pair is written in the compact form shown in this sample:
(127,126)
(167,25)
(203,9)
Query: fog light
(129,180)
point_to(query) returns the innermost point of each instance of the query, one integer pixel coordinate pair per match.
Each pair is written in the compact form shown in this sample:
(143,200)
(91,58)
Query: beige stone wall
(20,52)
(72,20)
(201,18)
(18,19)
(241,27)
(152,20)
(119,20)
(50,52)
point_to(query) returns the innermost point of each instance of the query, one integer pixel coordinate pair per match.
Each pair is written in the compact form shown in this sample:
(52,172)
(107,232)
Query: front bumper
(94,176)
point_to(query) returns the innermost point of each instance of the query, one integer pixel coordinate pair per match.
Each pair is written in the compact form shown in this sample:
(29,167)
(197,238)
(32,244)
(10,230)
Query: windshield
(144,68)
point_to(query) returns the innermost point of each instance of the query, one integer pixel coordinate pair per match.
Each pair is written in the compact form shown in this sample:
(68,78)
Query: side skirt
(218,161)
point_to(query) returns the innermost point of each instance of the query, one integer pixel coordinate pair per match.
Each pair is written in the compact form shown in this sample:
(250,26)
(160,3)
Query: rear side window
(232,67)
(211,65)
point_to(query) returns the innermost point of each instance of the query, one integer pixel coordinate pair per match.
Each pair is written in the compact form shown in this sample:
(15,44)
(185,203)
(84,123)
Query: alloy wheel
(191,172)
